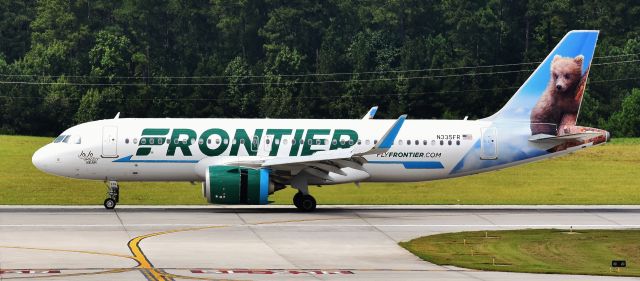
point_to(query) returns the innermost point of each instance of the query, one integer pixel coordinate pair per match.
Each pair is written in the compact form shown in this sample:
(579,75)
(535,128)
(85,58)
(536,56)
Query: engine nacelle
(237,185)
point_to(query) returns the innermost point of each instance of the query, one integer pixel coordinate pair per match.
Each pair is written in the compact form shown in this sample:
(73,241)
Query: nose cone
(42,160)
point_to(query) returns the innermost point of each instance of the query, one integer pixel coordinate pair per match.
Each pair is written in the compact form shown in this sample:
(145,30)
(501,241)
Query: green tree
(626,121)
(240,98)
(279,91)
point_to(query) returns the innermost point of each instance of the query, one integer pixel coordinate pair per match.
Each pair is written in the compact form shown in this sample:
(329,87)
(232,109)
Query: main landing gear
(113,195)
(305,203)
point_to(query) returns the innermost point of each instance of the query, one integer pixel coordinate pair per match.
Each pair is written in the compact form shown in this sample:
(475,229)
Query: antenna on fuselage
(117,116)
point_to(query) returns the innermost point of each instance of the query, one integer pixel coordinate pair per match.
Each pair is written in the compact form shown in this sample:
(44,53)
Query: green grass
(608,174)
(533,250)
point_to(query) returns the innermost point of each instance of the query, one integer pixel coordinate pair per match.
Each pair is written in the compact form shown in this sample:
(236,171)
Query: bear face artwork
(557,109)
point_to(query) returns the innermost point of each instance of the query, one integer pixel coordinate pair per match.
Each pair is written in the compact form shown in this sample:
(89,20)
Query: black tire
(109,203)
(307,203)
(297,198)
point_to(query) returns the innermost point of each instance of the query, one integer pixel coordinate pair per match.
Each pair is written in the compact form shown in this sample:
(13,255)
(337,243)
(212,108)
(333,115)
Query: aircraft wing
(325,164)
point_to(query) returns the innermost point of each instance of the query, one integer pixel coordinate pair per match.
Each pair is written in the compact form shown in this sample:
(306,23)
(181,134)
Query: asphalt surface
(273,243)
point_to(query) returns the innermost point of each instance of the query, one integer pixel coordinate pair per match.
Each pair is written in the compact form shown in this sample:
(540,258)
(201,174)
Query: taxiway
(267,243)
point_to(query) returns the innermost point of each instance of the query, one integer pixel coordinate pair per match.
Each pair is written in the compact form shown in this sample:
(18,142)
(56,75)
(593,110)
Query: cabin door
(109,142)
(489,144)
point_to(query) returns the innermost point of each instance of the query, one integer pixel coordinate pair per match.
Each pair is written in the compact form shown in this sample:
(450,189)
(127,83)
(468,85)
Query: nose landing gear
(113,195)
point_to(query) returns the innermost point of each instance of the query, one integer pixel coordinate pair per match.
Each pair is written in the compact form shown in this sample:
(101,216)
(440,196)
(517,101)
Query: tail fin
(551,97)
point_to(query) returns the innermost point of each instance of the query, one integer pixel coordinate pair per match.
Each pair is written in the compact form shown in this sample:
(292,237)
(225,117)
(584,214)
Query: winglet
(388,139)
(390,136)
(370,114)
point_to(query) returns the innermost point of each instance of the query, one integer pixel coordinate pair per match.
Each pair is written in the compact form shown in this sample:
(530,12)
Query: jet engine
(237,185)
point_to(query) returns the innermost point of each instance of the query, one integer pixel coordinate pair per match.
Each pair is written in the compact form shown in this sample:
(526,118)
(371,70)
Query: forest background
(64,62)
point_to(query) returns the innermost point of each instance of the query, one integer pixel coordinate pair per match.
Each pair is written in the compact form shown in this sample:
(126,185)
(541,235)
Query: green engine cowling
(236,185)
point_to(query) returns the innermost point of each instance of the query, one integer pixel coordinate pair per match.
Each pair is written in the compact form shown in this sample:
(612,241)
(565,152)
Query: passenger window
(366,142)
(350,142)
(226,141)
(309,141)
(200,141)
(457,142)
(284,141)
(135,141)
(277,141)
(151,141)
(400,142)
(433,142)
(342,142)
(375,141)
(359,142)
(417,142)
(334,142)
(143,141)
(425,142)
(441,142)
(408,142)
(126,140)
(241,141)
(449,142)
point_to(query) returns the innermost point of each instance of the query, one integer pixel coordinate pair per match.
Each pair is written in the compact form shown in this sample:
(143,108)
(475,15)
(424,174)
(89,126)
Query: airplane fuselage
(170,149)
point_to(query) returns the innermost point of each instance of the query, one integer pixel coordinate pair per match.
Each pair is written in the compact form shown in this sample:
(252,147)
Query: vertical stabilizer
(550,99)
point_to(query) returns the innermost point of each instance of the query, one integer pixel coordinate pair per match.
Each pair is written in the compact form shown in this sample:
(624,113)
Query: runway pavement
(272,243)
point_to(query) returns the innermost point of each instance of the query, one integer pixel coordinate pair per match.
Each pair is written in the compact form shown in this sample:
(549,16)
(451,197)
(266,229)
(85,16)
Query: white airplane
(242,161)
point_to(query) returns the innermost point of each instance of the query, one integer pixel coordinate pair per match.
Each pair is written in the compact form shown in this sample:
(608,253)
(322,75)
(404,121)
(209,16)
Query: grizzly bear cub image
(558,107)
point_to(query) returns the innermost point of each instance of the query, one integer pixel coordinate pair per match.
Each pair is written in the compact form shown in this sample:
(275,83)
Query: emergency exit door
(110,142)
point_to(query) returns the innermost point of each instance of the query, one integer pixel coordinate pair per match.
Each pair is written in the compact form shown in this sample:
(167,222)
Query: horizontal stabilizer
(544,141)
(565,138)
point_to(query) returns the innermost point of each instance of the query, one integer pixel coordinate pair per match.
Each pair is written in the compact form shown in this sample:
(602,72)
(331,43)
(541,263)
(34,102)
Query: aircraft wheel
(307,203)
(109,203)
(297,198)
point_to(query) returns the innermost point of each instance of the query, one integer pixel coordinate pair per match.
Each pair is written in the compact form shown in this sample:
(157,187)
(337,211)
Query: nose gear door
(110,142)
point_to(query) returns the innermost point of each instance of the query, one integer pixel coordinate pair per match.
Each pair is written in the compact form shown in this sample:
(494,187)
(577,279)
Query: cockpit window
(59,138)
(68,139)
